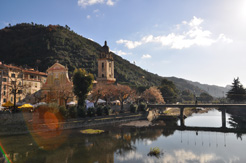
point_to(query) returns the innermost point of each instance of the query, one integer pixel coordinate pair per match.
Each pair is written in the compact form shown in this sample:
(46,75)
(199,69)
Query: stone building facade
(58,88)
(24,81)
(105,66)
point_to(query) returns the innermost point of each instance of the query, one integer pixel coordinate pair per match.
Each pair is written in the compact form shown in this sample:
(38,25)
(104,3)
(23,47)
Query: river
(130,144)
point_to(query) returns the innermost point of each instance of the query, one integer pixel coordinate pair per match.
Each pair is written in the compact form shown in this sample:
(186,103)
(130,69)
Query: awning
(8,104)
(25,106)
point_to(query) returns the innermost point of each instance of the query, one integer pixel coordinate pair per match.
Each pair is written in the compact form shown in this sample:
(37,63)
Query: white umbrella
(100,101)
(1,107)
(71,103)
(39,104)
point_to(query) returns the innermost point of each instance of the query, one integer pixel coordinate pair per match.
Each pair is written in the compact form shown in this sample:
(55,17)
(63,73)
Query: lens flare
(4,153)
(47,135)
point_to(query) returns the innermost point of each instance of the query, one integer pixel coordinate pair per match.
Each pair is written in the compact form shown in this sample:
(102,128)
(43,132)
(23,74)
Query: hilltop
(39,46)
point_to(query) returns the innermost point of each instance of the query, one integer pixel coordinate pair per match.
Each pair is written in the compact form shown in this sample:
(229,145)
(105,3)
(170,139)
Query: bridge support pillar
(182,123)
(223,116)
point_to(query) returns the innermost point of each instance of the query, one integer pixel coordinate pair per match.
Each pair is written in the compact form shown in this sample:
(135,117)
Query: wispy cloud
(129,44)
(193,35)
(88,16)
(146,56)
(84,3)
(6,23)
(110,3)
(120,52)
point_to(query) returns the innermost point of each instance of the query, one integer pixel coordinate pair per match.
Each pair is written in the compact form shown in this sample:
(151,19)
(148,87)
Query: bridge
(222,107)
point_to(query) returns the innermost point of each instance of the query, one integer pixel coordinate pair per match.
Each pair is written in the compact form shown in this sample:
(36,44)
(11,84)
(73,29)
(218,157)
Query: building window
(4,93)
(110,65)
(102,66)
(36,85)
(13,75)
(4,87)
(102,75)
(11,99)
(19,98)
(4,79)
(4,100)
(13,82)
(20,75)
(32,77)
(19,83)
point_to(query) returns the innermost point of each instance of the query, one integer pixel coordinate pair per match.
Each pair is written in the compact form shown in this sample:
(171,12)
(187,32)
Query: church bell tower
(105,66)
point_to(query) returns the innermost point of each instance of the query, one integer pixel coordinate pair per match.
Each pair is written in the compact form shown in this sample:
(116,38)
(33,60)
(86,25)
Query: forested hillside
(40,46)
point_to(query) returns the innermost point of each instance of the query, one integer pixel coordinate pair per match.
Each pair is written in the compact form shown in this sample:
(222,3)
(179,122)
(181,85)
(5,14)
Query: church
(58,87)
(105,66)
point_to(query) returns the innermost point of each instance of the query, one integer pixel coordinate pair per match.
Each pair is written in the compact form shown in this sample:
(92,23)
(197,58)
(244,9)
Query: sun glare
(243,9)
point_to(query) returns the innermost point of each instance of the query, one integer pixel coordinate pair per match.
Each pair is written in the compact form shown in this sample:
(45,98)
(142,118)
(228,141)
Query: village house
(19,82)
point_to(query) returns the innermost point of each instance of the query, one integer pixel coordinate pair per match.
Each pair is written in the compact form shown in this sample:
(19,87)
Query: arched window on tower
(102,66)
(102,75)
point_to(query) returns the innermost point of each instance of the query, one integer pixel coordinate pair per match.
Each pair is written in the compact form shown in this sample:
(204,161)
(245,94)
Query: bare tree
(122,93)
(153,95)
(65,92)
(15,84)
(98,92)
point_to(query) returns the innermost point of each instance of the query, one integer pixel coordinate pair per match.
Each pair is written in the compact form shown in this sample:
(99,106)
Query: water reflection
(127,144)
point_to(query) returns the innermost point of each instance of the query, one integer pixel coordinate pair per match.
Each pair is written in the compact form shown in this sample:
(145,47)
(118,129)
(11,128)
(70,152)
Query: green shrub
(106,110)
(91,111)
(142,107)
(110,111)
(99,111)
(155,152)
(64,112)
(72,111)
(133,108)
(81,112)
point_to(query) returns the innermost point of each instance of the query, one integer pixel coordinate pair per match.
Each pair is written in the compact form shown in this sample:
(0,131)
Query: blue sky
(201,41)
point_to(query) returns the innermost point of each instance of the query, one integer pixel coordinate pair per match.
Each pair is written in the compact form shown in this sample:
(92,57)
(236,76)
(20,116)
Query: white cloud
(88,16)
(96,10)
(195,21)
(84,3)
(224,38)
(110,3)
(129,44)
(6,23)
(146,56)
(195,35)
(129,156)
(90,39)
(120,52)
(183,156)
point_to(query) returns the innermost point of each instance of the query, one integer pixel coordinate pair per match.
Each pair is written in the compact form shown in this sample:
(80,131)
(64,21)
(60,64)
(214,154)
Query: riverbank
(24,123)
(170,114)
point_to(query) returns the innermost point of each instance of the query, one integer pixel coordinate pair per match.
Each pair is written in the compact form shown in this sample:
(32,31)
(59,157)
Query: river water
(130,144)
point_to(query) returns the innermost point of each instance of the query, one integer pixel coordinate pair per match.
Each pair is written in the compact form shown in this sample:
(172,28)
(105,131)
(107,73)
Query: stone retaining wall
(22,123)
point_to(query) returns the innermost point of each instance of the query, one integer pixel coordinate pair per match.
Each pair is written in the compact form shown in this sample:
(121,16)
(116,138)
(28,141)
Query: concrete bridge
(222,107)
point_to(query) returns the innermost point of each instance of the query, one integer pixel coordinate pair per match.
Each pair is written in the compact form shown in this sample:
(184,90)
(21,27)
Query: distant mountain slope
(213,90)
(40,46)
(183,84)
(197,88)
